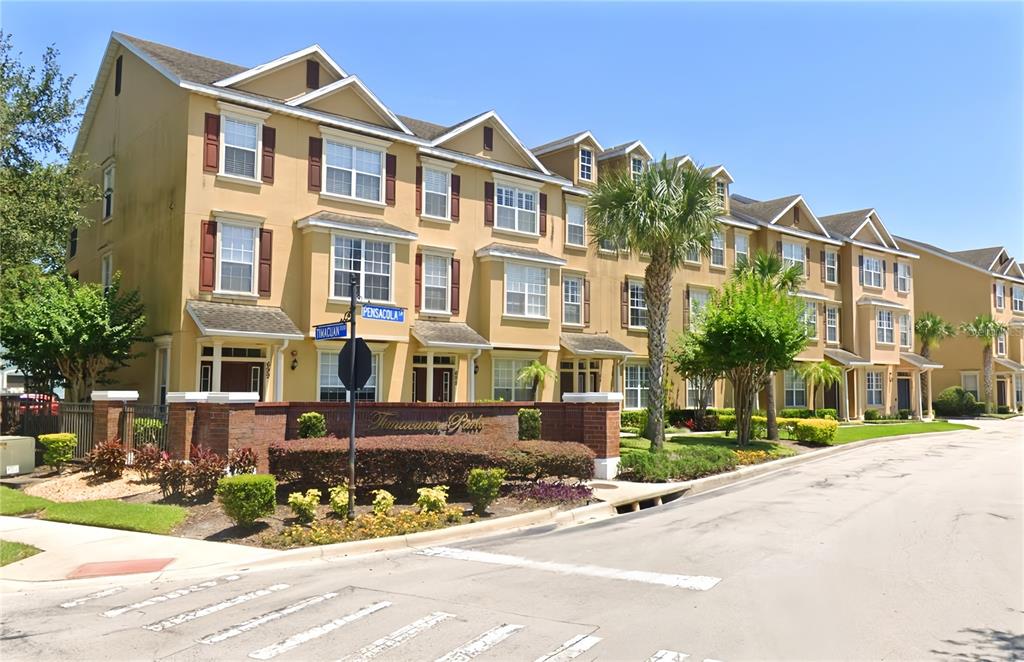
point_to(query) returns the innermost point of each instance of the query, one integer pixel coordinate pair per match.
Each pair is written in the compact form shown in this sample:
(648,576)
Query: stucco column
(920,396)
(217,345)
(844,396)
(279,372)
(931,394)
(858,414)
(430,377)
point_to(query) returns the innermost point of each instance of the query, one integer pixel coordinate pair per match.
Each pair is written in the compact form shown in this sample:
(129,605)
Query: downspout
(846,394)
(472,375)
(279,371)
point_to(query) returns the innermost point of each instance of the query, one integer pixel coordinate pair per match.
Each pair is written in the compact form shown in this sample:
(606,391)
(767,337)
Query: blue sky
(914,109)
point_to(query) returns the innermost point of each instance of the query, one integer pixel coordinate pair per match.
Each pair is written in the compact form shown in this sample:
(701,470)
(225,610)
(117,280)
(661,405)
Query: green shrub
(796,412)
(312,425)
(107,459)
(483,486)
(758,426)
(954,401)
(304,505)
(339,500)
(147,430)
(872,415)
(1003,409)
(787,424)
(686,463)
(826,413)
(529,423)
(727,423)
(432,499)
(59,448)
(905,414)
(816,430)
(145,460)
(634,418)
(173,476)
(247,497)
(383,502)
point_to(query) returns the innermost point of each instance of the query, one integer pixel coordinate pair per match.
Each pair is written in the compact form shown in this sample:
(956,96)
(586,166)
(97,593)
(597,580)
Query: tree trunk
(536,389)
(769,399)
(926,402)
(658,295)
(746,395)
(989,368)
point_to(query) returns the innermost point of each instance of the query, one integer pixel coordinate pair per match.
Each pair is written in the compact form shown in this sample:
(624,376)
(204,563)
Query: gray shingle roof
(568,140)
(593,344)
(844,223)
(843,357)
(422,128)
(524,252)
(868,300)
(765,210)
(446,334)
(918,361)
(185,65)
(980,257)
(226,319)
(357,223)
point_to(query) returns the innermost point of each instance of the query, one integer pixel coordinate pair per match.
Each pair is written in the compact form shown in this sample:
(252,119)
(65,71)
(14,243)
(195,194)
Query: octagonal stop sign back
(364,363)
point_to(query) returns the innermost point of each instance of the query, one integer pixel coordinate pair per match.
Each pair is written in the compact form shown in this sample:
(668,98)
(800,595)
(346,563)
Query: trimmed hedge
(686,463)
(815,430)
(59,448)
(634,418)
(405,462)
(247,497)
(954,401)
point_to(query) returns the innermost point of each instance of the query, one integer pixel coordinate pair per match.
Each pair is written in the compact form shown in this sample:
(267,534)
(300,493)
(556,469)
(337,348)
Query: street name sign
(383,313)
(332,331)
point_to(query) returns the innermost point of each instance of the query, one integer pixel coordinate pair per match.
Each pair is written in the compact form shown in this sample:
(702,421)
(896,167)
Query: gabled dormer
(574,157)
(863,227)
(632,156)
(349,97)
(487,136)
(790,214)
(288,76)
(723,180)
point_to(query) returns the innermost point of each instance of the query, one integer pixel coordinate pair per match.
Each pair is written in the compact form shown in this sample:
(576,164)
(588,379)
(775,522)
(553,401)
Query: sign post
(353,284)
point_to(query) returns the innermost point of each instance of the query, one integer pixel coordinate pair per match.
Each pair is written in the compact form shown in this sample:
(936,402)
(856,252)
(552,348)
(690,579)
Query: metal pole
(353,284)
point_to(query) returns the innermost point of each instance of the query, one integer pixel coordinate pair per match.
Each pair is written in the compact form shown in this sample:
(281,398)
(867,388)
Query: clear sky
(914,109)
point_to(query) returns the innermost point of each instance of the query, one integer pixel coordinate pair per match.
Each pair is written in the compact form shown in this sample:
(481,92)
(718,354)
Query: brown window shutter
(269,145)
(822,256)
(419,190)
(839,271)
(456,191)
(796,216)
(488,203)
(884,269)
(266,254)
(211,145)
(390,171)
(543,214)
(807,251)
(419,280)
(117,75)
(624,305)
(778,248)
(456,273)
(208,256)
(586,302)
(312,74)
(993,294)
(316,154)
(488,138)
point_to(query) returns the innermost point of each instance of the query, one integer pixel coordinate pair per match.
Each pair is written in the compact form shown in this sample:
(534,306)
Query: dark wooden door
(831,398)
(1001,392)
(419,384)
(564,383)
(241,376)
(444,384)
(903,393)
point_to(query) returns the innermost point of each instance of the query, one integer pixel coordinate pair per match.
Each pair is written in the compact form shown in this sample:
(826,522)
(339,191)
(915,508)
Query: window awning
(1010,364)
(594,344)
(326,221)
(880,302)
(918,361)
(448,335)
(521,253)
(242,320)
(845,358)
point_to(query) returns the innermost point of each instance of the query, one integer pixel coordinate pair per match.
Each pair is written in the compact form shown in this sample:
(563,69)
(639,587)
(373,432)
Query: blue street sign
(332,331)
(384,313)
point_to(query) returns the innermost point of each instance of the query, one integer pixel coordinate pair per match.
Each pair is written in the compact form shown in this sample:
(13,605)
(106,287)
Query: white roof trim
(368,95)
(567,142)
(312,224)
(880,302)
(449,345)
(785,229)
(737,223)
(721,168)
(494,166)
(491,114)
(958,261)
(206,331)
(815,296)
(800,200)
(884,249)
(870,224)
(505,254)
(1002,251)
(636,144)
(577,190)
(267,67)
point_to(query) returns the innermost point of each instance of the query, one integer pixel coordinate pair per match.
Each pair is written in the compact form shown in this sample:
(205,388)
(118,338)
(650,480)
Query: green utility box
(17,455)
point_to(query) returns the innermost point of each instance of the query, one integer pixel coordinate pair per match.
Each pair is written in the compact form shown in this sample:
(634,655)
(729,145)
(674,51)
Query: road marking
(574,647)
(187,616)
(92,596)
(696,583)
(285,645)
(667,656)
(399,637)
(254,623)
(117,611)
(481,644)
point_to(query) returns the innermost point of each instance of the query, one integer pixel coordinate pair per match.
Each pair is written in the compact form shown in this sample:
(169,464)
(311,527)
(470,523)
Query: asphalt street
(905,550)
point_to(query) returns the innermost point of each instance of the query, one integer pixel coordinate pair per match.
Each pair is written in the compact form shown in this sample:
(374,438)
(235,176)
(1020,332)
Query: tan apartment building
(240,201)
(960,285)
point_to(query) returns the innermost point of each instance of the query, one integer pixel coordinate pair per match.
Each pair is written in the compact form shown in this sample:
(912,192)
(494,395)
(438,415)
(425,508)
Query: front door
(241,376)
(903,393)
(1001,392)
(443,384)
(419,384)
(831,397)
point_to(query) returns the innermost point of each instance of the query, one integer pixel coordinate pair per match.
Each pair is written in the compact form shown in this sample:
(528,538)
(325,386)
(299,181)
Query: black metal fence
(143,424)
(74,417)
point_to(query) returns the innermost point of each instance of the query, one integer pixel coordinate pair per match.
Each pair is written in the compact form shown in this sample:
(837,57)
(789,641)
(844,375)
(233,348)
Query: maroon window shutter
(456,190)
(312,74)
(543,214)
(586,302)
(419,190)
(838,269)
(624,304)
(266,254)
(994,293)
(822,256)
(456,272)
(419,280)
(807,251)
(208,256)
(488,138)
(211,144)
(488,203)
(390,171)
(269,144)
(117,75)
(778,248)
(884,269)
(316,153)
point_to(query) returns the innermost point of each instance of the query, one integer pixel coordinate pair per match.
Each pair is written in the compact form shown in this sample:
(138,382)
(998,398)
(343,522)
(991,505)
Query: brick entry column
(600,432)
(181,415)
(107,407)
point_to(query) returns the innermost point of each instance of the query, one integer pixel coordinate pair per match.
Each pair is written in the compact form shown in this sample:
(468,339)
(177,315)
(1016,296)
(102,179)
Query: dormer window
(636,166)
(586,165)
(720,190)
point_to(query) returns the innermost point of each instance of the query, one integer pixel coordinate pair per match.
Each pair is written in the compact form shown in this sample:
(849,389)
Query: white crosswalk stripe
(573,648)
(285,645)
(213,609)
(667,656)
(92,596)
(173,595)
(399,637)
(254,623)
(481,644)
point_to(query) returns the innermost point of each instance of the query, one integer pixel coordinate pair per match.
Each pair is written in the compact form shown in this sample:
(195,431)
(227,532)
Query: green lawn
(16,502)
(11,552)
(848,433)
(640,443)
(145,517)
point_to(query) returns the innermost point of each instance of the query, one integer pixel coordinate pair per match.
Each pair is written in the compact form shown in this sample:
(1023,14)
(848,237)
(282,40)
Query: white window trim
(879,328)
(107,269)
(811,306)
(249,116)
(1000,296)
(583,209)
(377,357)
(794,377)
(711,260)
(1001,340)
(880,272)
(440,166)
(526,301)
(110,167)
(629,303)
(362,273)
(977,381)
(515,377)
(837,339)
(517,185)
(691,314)
(447,257)
(255,228)
(581,280)
(835,267)
(639,389)
(635,172)
(736,253)
(802,245)
(909,332)
(880,390)
(591,165)
(161,345)
(900,267)
(1015,300)
(360,142)
(687,260)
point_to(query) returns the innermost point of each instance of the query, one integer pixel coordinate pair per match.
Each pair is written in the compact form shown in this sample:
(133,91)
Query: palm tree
(930,330)
(769,268)
(535,373)
(820,372)
(665,212)
(986,329)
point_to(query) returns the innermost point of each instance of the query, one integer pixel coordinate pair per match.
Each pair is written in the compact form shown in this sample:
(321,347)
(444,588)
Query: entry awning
(1012,365)
(815,296)
(918,361)
(594,344)
(327,221)
(845,358)
(242,320)
(521,253)
(448,335)
(880,302)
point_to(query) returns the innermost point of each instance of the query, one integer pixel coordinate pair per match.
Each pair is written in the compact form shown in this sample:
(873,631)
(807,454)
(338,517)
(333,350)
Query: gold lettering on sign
(456,422)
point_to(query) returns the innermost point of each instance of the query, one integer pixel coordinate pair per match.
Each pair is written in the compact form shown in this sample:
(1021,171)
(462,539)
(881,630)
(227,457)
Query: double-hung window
(572,300)
(698,300)
(330,388)
(831,324)
(436,278)
(636,166)
(883,327)
(370,261)
(526,291)
(637,305)
(241,146)
(575,225)
(1001,344)
(902,277)
(906,332)
(516,209)
(693,255)
(638,378)
(693,393)
(795,388)
(354,171)
(1018,299)
(1000,291)
(106,270)
(811,319)
(238,253)
(794,254)
(720,191)
(586,164)
(718,249)
(831,267)
(742,246)
(435,193)
(873,382)
(969,382)
(506,383)
(108,192)
(872,271)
